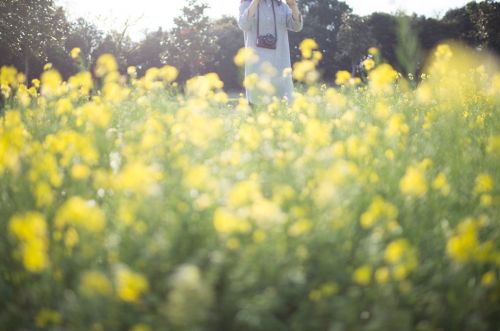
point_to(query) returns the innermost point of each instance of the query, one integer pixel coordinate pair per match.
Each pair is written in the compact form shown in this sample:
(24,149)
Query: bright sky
(151,14)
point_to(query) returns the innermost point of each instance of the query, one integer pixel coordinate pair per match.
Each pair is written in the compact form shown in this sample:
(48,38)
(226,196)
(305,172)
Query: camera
(267,41)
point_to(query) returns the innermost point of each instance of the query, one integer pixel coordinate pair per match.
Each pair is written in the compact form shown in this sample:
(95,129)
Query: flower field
(134,204)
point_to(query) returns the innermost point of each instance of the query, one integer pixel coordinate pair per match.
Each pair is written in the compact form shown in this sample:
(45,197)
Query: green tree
(190,46)
(229,40)
(29,28)
(322,22)
(355,37)
(384,29)
(85,36)
(149,51)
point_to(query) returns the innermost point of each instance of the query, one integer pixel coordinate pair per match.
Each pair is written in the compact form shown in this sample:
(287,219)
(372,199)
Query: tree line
(35,32)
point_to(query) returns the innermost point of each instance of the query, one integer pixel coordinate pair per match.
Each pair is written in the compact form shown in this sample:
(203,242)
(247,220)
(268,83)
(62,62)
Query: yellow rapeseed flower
(305,71)
(362,275)
(47,317)
(378,211)
(483,184)
(382,275)
(197,177)
(243,193)
(95,283)
(30,230)
(382,78)
(342,77)
(51,83)
(440,183)
(168,73)
(80,171)
(75,52)
(226,222)
(464,245)
(373,51)
(130,285)
(84,214)
(488,278)
(106,64)
(368,64)
(244,56)
(413,182)
(307,46)
(140,327)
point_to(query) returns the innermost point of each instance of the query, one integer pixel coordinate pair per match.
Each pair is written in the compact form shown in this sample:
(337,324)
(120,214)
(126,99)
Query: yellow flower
(342,77)
(395,250)
(95,283)
(413,183)
(443,51)
(259,236)
(80,171)
(251,136)
(373,51)
(362,275)
(30,230)
(138,177)
(197,177)
(493,146)
(324,291)
(130,285)
(382,78)
(140,327)
(317,133)
(51,83)
(36,83)
(106,64)
(300,227)
(243,193)
(305,71)
(169,73)
(382,275)
(226,222)
(75,52)
(317,56)
(132,71)
(244,56)
(307,46)
(266,213)
(484,184)
(8,75)
(233,244)
(81,213)
(379,211)
(369,64)
(441,184)
(382,112)
(488,278)
(464,245)
(81,82)
(486,200)
(47,317)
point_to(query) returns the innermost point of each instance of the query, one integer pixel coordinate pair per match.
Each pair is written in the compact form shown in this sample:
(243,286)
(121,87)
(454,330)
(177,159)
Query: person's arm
(247,13)
(295,9)
(294,18)
(253,8)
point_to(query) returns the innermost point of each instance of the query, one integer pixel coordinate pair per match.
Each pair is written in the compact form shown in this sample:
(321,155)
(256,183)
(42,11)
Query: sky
(148,15)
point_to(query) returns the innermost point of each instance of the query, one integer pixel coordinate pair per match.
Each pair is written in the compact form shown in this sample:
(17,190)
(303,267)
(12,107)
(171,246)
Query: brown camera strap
(274,16)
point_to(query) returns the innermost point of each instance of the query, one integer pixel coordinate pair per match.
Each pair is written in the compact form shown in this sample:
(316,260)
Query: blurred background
(153,33)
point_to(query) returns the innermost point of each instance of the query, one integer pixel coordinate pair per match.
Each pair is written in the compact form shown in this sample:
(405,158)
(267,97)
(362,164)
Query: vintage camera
(267,41)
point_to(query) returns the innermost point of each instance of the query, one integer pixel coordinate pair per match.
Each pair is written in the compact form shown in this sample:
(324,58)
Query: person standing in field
(265,24)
